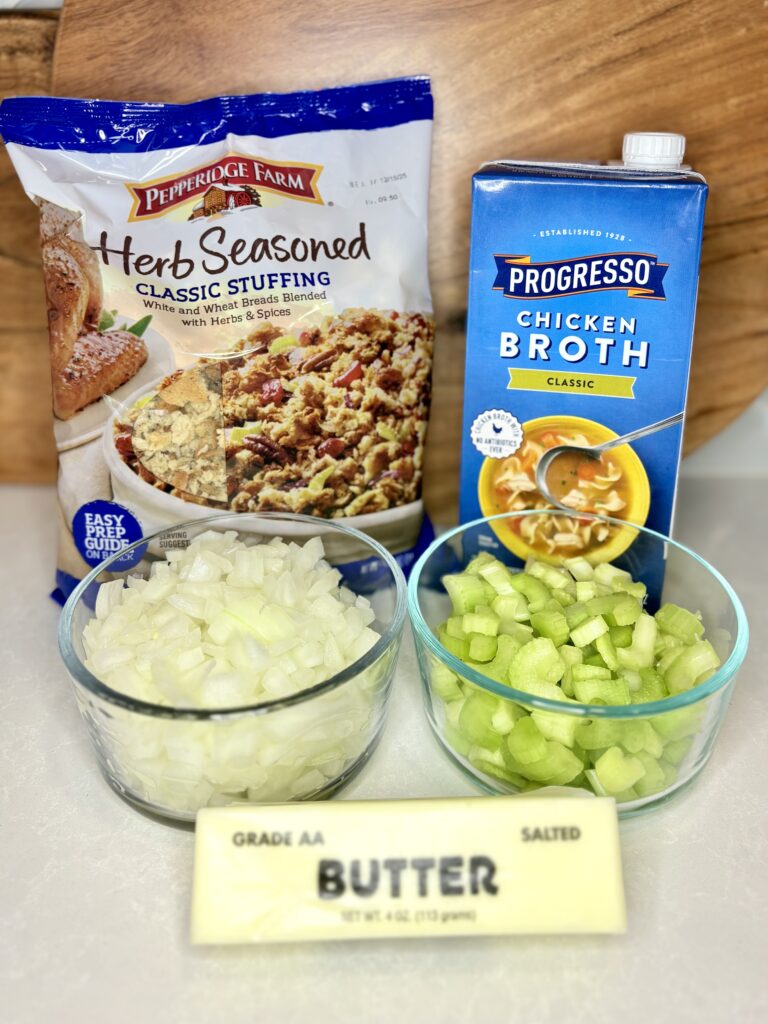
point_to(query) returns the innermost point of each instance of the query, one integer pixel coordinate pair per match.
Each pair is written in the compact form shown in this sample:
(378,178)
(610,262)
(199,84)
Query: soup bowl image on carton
(582,295)
(508,485)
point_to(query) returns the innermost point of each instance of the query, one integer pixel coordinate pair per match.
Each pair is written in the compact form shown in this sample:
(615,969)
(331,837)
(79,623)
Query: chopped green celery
(652,687)
(596,660)
(621,636)
(456,739)
(505,716)
(637,590)
(453,627)
(695,664)
(496,771)
(602,733)
(459,648)
(586,591)
(589,630)
(526,743)
(475,720)
(534,591)
(607,573)
(555,726)
(680,623)
(549,575)
(564,597)
(618,771)
(666,642)
(499,577)
(579,568)
(540,688)
(481,647)
(443,681)
(607,651)
(506,648)
(670,772)
(640,653)
(511,606)
(566,683)
(626,612)
(558,767)
(625,796)
(465,591)
(575,614)
(611,691)
(632,678)
(582,672)
(537,660)
(676,725)
(652,742)
(675,751)
(595,783)
(571,655)
(475,564)
(551,624)
(516,630)
(481,620)
(653,781)
(668,658)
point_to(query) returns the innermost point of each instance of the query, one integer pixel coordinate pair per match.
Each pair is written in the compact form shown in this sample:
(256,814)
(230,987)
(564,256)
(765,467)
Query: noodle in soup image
(614,485)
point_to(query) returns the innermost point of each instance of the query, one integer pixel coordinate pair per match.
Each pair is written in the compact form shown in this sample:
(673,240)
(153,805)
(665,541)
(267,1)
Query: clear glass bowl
(173,761)
(685,726)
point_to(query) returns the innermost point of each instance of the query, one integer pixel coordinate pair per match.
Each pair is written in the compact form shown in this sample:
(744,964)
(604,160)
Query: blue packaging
(582,296)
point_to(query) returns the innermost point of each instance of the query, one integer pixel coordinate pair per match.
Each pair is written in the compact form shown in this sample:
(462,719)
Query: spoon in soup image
(561,468)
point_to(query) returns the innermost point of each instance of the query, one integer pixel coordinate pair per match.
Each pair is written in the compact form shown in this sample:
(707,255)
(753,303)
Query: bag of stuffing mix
(238,307)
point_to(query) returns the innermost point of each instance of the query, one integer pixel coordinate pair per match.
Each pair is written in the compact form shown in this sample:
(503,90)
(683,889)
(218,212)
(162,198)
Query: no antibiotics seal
(496,433)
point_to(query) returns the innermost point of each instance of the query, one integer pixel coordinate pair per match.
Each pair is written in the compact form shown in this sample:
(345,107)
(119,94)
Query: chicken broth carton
(582,294)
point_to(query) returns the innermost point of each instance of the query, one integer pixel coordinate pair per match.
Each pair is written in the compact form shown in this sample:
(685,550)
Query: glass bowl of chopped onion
(243,658)
(609,677)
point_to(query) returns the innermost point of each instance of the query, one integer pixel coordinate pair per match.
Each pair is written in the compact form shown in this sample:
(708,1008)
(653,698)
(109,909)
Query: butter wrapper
(381,869)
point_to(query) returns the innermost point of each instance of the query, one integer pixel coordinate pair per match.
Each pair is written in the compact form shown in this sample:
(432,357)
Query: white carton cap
(653,150)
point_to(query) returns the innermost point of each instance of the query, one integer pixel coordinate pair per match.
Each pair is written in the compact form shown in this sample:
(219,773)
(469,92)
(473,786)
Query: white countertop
(95,896)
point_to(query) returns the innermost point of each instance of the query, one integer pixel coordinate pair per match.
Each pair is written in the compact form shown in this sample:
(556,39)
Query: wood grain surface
(550,79)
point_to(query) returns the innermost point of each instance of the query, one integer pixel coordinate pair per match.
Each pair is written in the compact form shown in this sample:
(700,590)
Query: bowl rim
(84,677)
(717,681)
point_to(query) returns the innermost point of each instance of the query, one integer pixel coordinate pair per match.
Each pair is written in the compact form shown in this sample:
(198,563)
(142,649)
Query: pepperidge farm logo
(233,182)
(638,273)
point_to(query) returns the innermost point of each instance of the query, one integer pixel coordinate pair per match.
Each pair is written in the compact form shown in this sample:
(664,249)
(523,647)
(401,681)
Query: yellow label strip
(563,381)
(344,870)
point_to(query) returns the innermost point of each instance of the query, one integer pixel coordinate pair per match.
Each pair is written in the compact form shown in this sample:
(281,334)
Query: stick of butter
(346,870)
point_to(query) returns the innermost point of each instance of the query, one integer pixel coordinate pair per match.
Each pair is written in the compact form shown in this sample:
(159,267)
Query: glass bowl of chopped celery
(608,677)
(240,658)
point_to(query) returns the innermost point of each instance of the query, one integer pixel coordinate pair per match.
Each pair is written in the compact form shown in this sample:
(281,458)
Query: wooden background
(543,79)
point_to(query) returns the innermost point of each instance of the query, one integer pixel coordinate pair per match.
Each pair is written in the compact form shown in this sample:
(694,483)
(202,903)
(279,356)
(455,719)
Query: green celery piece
(579,568)
(505,716)
(595,783)
(676,750)
(475,720)
(695,664)
(586,591)
(479,562)
(533,590)
(571,655)
(595,660)
(618,771)
(652,687)
(516,630)
(680,623)
(564,597)
(549,575)
(652,742)
(625,796)
(566,683)
(668,657)
(653,781)
(443,681)
(453,627)
(538,660)
(506,648)
(589,630)
(575,614)
(621,636)
(637,590)
(582,672)
(478,759)
(511,606)
(540,688)
(498,576)
(481,647)
(676,725)
(607,651)
(670,772)
(481,620)
(606,573)
(632,678)
(626,612)
(666,642)
(611,691)
(640,653)
(600,734)
(526,742)
(551,624)
(555,726)
(465,591)
(459,648)
(456,739)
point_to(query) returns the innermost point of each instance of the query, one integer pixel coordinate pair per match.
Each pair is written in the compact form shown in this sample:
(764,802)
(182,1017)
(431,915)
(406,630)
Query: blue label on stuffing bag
(102,528)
